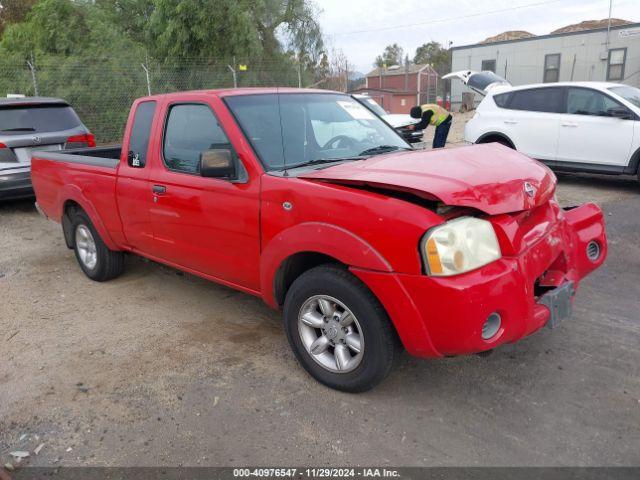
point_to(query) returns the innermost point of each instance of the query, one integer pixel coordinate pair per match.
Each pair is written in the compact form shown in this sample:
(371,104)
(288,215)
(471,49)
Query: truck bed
(85,175)
(97,156)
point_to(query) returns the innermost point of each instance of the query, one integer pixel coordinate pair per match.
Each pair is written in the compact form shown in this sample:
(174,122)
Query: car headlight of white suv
(459,246)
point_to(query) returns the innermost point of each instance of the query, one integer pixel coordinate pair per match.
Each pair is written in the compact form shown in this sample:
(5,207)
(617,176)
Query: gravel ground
(162,368)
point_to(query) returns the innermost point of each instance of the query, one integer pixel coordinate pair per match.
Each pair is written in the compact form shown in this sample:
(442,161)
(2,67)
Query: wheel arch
(72,199)
(633,167)
(306,245)
(494,136)
(294,266)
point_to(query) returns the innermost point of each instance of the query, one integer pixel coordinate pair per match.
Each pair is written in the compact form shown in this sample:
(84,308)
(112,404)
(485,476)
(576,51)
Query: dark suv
(31,124)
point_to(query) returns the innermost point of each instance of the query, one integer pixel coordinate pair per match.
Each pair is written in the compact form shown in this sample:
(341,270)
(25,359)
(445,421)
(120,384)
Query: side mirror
(620,112)
(217,163)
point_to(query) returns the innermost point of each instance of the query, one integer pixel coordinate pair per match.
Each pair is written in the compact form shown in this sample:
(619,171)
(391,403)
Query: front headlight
(459,246)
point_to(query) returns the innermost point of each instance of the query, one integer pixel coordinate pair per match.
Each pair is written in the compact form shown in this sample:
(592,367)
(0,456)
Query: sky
(362,28)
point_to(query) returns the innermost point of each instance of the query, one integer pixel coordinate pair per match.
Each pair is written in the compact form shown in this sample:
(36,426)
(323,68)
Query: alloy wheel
(86,247)
(331,334)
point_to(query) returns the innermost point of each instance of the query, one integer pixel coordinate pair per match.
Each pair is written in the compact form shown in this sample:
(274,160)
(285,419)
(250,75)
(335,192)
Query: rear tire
(329,311)
(96,260)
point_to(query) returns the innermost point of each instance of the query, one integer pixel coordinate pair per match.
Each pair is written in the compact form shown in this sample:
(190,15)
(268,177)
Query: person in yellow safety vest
(433,114)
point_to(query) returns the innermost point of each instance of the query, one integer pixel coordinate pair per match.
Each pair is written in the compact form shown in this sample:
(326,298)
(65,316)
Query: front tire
(338,330)
(94,257)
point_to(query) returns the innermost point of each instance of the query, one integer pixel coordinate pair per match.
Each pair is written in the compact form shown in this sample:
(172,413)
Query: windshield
(630,94)
(18,120)
(291,129)
(372,105)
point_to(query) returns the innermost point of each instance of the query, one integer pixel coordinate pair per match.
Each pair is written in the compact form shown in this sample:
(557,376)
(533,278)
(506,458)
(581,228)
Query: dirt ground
(162,368)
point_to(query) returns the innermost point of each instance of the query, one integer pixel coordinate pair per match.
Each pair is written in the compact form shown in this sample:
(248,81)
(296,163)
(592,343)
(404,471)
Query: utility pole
(609,23)
(608,35)
(346,75)
(299,74)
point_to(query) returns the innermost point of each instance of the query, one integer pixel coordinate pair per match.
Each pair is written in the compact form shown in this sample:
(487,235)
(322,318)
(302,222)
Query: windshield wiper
(382,149)
(19,129)
(319,161)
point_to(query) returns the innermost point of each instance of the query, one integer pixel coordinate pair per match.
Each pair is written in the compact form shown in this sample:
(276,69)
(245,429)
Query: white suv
(572,126)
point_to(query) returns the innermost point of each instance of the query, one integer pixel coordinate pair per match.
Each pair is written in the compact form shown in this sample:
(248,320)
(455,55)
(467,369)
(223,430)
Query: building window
(615,64)
(488,66)
(551,68)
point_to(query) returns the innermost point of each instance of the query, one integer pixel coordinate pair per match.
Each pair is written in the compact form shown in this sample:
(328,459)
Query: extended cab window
(190,130)
(140,132)
(584,101)
(547,100)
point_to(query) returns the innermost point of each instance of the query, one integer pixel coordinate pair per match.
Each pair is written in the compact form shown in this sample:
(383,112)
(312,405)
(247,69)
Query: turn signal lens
(459,246)
(435,266)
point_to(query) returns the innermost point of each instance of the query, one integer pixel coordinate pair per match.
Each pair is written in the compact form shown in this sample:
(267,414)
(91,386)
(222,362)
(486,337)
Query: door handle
(159,189)
(569,124)
(511,122)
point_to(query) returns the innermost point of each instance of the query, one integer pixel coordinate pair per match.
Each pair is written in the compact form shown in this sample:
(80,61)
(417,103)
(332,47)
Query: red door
(132,188)
(208,225)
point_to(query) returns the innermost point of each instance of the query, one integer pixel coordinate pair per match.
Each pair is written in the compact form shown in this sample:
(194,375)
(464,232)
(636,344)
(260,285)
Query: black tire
(109,264)
(379,338)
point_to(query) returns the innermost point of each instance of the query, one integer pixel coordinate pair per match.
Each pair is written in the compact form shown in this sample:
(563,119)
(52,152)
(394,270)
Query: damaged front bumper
(531,286)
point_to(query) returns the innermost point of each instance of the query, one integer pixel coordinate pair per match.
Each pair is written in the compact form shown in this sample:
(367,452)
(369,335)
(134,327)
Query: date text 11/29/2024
(312,473)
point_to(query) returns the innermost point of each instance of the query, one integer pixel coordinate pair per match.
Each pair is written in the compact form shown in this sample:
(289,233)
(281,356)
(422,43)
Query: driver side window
(190,130)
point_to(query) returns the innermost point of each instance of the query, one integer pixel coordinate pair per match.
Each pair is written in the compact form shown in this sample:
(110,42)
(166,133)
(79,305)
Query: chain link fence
(102,94)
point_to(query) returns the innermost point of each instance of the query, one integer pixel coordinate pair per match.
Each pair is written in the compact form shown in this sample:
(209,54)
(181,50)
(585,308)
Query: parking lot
(163,368)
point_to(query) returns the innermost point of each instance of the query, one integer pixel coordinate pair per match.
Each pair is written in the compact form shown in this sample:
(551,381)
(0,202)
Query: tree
(303,33)
(14,11)
(80,56)
(434,54)
(392,55)
(210,29)
(132,16)
(90,52)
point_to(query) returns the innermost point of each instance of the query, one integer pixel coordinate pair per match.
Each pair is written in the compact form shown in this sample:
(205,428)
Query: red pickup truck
(308,200)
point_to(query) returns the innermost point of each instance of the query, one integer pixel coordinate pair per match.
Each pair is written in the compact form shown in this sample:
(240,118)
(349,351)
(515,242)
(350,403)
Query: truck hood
(491,178)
